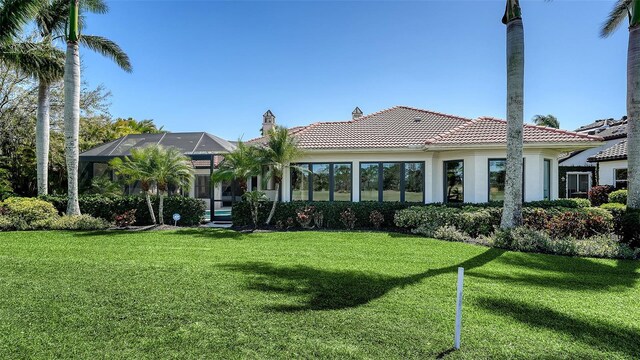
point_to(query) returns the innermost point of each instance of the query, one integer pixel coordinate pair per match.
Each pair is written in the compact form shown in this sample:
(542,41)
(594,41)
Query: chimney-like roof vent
(417,119)
(356,113)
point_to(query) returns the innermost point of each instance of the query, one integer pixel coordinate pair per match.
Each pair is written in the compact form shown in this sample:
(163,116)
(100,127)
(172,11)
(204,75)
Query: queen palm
(172,169)
(277,155)
(546,120)
(630,9)
(51,20)
(512,211)
(240,164)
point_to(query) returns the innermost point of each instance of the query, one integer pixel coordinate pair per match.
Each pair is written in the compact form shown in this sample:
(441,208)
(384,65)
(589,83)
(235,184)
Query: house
(413,155)
(579,170)
(612,165)
(205,151)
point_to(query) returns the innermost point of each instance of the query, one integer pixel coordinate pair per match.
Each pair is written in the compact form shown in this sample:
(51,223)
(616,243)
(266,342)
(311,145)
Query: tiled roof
(406,127)
(614,132)
(594,125)
(616,152)
(493,131)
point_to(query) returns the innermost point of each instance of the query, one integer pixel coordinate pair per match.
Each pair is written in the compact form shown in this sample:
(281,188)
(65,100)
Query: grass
(219,294)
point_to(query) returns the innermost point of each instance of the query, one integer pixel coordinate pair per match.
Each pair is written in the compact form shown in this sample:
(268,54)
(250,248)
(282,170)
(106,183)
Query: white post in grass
(456,340)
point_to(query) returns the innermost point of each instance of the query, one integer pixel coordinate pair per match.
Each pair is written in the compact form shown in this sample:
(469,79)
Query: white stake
(456,340)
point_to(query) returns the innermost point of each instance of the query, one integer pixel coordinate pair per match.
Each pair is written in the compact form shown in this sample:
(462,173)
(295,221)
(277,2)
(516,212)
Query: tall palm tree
(512,211)
(547,120)
(72,108)
(173,168)
(630,9)
(139,167)
(51,20)
(278,153)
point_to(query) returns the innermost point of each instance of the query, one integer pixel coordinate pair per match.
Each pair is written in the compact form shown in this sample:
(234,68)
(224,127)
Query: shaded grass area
(211,293)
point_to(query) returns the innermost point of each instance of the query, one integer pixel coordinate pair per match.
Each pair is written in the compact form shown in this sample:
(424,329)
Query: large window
(547,179)
(620,178)
(454,181)
(203,187)
(578,184)
(321,182)
(392,181)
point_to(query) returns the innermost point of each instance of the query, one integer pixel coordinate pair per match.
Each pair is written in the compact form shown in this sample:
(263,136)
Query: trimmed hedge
(107,207)
(618,196)
(36,214)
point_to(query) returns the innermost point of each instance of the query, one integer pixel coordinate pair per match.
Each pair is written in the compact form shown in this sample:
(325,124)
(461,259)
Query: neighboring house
(414,155)
(204,150)
(612,165)
(577,172)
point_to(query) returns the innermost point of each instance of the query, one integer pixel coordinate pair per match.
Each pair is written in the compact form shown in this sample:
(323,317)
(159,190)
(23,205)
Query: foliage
(547,120)
(125,219)
(348,219)
(376,218)
(191,210)
(103,185)
(599,194)
(618,196)
(253,199)
(79,222)
(425,220)
(304,216)
(631,227)
(617,211)
(450,233)
(27,210)
(240,164)
(559,203)
(5,185)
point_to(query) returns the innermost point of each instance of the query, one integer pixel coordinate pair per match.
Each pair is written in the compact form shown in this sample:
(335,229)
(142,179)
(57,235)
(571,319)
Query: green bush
(559,203)
(450,233)
(631,227)
(599,194)
(618,196)
(79,222)
(28,209)
(617,210)
(107,207)
(425,220)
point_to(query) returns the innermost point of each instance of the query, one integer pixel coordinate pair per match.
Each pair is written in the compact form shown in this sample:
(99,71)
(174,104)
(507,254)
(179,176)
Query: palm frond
(109,49)
(94,6)
(51,18)
(14,14)
(39,60)
(619,12)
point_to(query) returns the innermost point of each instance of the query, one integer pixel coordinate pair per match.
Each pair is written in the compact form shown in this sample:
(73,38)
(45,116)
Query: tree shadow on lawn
(594,333)
(193,232)
(332,289)
(568,273)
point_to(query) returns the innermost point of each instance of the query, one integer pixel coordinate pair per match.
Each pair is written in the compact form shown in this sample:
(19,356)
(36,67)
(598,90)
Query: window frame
(445,182)
(524,175)
(615,178)
(577,173)
(309,166)
(402,189)
(196,187)
(548,178)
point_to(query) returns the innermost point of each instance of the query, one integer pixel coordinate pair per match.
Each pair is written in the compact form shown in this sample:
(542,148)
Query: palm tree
(172,169)
(512,211)
(242,163)
(277,154)
(622,10)
(547,120)
(139,167)
(51,20)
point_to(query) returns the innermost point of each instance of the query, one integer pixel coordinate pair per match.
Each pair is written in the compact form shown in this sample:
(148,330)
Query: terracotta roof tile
(616,152)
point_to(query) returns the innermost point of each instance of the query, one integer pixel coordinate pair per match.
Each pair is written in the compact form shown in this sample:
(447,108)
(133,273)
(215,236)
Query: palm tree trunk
(633,113)
(275,201)
(42,138)
(512,211)
(147,196)
(72,123)
(161,207)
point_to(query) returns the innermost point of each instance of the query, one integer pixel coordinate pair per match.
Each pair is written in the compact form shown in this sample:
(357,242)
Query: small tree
(172,169)
(254,198)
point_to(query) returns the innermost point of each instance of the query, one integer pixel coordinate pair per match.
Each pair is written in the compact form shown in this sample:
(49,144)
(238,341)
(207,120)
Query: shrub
(604,246)
(28,210)
(79,222)
(631,228)
(318,219)
(125,219)
(348,219)
(425,220)
(618,196)
(599,194)
(522,239)
(560,223)
(5,223)
(450,233)
(376,219)
(106,207)
(617,211)
(305,216)
(559,203)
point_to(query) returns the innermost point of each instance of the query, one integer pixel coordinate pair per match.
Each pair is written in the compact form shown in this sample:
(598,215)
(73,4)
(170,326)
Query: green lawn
(219,294)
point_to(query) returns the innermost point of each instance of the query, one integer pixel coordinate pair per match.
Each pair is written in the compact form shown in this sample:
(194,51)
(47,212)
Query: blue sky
(218,66)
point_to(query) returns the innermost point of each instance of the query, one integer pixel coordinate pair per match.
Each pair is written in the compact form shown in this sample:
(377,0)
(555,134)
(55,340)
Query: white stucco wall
(607,170)
(476,170)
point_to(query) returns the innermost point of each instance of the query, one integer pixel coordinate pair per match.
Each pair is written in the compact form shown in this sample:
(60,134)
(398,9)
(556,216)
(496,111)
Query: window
(620,178)
(300,182)
(342,182)
(454,181)
(394,181)
(497,177)
(578,184)
(202,187)
(547,179)
(369,181)
(414,182)
(321,182)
